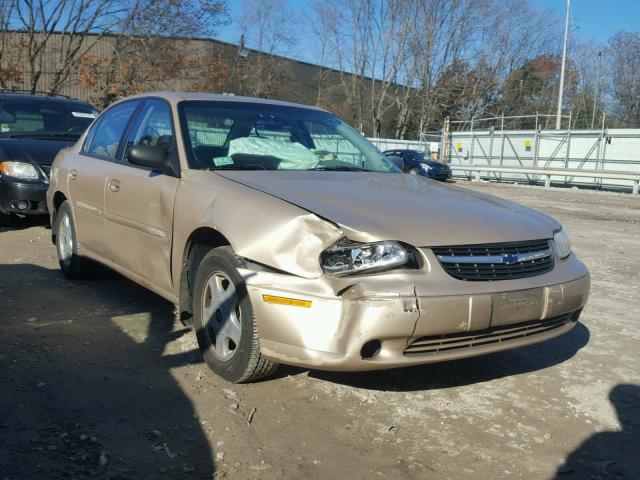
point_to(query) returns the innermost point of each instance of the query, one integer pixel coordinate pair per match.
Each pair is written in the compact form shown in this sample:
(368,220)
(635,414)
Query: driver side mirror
(153,157)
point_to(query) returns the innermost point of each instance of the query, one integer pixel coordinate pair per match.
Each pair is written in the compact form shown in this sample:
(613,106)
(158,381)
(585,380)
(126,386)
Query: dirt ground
(98,380)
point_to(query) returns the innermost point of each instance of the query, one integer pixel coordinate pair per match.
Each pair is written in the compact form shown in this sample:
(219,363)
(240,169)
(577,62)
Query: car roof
(175,97)
(43,98)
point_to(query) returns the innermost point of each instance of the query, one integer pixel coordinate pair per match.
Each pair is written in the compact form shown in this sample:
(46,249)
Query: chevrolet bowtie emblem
(510,258)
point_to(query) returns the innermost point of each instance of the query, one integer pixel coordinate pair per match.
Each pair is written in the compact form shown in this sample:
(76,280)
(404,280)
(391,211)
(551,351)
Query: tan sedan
(287,237)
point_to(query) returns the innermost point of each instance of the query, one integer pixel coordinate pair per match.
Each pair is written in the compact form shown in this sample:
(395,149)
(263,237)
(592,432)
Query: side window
(206,129)
(153,126)
(209,133)
(104,138)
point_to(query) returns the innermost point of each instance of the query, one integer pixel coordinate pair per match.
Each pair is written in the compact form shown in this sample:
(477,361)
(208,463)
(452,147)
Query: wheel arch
(199,242)
(58,199)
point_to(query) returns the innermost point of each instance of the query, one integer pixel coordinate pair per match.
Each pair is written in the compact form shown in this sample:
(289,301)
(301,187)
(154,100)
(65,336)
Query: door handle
(114,185)
(73,174)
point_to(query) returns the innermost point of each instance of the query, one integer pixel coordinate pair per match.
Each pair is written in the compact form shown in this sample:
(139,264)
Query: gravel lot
(98,380)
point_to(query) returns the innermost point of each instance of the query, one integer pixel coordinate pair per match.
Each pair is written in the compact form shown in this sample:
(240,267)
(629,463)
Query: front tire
(413,171)
(73,265)
(225,325)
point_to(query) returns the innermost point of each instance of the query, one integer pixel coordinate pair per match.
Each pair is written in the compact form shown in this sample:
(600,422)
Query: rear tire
(73,265)
(413,171)
(225,325)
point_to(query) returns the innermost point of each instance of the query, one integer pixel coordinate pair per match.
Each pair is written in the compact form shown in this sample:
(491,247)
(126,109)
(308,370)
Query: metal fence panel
(608,150)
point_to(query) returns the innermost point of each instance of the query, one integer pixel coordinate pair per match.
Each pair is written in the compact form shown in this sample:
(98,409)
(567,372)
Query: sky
(592,20)
(597,20)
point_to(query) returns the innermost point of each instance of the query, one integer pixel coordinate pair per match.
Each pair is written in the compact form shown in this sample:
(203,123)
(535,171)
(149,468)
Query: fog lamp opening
(370,349)
(22,205)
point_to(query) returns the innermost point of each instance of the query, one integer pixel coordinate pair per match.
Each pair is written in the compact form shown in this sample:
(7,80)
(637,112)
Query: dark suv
(33,129)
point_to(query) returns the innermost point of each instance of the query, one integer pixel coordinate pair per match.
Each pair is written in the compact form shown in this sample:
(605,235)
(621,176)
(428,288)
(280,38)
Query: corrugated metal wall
(605,150)
(299,81)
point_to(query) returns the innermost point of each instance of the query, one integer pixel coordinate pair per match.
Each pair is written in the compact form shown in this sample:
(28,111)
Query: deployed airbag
(292,155)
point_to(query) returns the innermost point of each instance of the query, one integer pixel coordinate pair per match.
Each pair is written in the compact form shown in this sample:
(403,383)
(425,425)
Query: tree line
(389,67)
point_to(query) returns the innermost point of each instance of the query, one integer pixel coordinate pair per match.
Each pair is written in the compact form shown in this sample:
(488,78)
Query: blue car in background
(417,163)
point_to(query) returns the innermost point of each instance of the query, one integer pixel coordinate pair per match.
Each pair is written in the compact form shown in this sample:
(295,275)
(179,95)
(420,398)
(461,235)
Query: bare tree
(624,58)
(479,43)
(151,49)
(443,32)
(270,27)
(58,33)
(10,71)
(392,26)
(321,20)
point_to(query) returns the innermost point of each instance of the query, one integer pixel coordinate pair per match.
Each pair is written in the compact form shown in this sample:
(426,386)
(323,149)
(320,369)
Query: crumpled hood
(32,150)
(421,212)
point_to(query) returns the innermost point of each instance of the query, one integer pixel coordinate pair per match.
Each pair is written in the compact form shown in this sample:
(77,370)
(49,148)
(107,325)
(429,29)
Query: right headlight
(563,243)
(347,257)
(18,170)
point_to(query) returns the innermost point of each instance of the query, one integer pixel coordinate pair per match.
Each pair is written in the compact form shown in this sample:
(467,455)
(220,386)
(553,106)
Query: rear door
(87,174)
(139,201)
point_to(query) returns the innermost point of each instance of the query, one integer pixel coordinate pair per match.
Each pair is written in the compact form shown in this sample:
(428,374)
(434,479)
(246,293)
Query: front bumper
(401,319)
(13,191)
(441,175)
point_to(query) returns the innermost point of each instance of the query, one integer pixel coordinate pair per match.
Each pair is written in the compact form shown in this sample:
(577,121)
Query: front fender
(259,227)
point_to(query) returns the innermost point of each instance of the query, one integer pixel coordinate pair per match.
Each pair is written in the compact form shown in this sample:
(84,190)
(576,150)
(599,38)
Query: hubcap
(221,316)
(65,240)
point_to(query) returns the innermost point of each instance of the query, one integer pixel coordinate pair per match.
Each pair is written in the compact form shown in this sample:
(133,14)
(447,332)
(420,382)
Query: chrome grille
(496,261)
(505,333)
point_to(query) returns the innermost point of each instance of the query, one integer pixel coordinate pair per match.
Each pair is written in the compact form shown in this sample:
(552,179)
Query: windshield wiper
(341,168)
(238,167)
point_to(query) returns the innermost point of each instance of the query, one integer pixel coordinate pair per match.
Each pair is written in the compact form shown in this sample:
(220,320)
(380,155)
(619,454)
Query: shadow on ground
(23,223)
(466,371)
(613,454)
(83,396)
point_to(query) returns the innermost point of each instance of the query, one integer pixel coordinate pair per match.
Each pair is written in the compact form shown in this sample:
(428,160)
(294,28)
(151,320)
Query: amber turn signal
(294,302)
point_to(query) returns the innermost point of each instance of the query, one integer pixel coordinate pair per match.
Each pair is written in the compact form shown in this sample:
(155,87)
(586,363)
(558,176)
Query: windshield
(44,119)
(421,157)
(254,136)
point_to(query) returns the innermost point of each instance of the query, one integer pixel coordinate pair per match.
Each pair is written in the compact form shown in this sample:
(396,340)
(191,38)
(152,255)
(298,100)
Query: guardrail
(547,173)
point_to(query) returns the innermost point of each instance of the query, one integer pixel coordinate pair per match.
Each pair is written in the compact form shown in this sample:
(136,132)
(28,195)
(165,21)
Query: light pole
(564,59)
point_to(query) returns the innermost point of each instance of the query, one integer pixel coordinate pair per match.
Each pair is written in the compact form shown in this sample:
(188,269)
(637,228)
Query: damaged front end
(413,314)
(395,319)
(328,296)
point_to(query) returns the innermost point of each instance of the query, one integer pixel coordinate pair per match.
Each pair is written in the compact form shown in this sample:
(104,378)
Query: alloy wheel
(221,316)
(65,240)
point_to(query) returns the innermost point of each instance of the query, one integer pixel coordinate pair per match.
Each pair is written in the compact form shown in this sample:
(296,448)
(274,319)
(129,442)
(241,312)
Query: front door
(139,202)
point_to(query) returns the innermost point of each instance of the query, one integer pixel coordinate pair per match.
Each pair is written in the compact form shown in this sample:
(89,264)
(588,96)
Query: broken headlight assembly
(346,257)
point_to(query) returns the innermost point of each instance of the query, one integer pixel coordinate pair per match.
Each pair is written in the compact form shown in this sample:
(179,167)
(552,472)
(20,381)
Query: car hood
(434,164)
(32,150)
(408,208)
